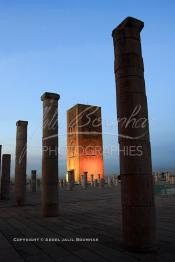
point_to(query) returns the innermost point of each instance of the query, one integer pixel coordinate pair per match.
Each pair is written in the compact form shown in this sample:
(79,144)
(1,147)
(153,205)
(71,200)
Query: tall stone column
(33,181)
(50,155)
(5,176)
(20,162)
(138,209)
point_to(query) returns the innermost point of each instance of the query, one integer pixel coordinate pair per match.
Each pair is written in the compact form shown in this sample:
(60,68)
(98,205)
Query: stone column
(20,162)
(138,211)
(92,180)
(50,155)
(101,183)
(33,181)
(84,180)
(38,181)
(71,179)
(5,176)
(99,178)
(96,183)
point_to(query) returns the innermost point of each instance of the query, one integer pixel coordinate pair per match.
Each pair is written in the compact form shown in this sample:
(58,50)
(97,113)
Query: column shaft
(92,180)
(138,209)
(33,180)
(5,176)
(84,180)
(71,179)
(50,155)
(20,162)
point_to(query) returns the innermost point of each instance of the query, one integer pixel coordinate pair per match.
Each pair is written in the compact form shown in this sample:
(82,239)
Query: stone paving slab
(91,213)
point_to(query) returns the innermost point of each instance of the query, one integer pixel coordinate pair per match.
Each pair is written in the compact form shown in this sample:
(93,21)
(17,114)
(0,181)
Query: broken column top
(6,155)
(21,123)
(129,22)
(48,95)
(33,171)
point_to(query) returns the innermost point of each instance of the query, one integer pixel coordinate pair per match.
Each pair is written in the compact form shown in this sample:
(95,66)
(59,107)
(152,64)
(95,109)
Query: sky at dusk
(66,47)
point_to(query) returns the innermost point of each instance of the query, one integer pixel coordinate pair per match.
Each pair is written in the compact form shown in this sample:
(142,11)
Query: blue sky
(66,47)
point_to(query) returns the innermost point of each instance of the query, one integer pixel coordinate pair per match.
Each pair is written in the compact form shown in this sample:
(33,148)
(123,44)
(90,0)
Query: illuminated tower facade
(84,141)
